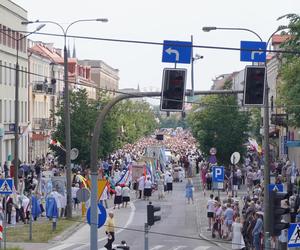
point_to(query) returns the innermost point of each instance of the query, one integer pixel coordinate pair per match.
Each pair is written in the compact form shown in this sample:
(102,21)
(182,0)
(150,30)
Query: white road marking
(202,248)
(157,247)
(61,247)
(127,223)
(179,247)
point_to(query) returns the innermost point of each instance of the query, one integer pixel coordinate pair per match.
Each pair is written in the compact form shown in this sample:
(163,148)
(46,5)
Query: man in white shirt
(210,211)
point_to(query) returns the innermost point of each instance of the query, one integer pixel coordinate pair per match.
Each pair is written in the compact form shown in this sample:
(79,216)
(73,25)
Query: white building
(45,86)
(10,20)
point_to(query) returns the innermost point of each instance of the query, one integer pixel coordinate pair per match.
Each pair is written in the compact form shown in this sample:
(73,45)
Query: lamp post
(17,110)
(267,225)
(67,104)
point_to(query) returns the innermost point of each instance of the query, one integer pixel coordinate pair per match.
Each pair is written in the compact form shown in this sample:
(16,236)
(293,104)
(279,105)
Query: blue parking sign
(218,174)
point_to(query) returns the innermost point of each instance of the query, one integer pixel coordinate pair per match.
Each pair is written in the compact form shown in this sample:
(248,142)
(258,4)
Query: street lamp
(267,226)
(67,105)
(17,110)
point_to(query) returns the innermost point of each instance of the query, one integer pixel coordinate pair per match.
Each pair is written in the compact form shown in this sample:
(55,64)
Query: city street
(178,228)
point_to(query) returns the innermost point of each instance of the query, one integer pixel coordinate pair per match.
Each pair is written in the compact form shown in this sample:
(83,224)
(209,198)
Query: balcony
(43,87)
(41,123)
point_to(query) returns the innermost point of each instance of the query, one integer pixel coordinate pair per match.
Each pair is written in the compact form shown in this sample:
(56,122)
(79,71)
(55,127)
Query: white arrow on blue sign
(276,187)
(101,215)
(218,174)
(253,51)
(177,52)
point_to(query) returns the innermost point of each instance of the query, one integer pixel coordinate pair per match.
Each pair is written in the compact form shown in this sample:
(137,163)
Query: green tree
(219,123)
(289,73)
(126,122)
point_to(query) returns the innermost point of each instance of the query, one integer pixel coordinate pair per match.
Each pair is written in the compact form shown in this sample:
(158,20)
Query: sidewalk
(201,203)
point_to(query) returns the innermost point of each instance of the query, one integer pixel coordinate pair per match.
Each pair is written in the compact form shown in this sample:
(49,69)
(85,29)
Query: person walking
(118,196)
(256,232)
(237,237)
(160,188)
(141,184)
(189,191)
(110,231)
(125,195)
(147,188)
(210,211)
(169,181)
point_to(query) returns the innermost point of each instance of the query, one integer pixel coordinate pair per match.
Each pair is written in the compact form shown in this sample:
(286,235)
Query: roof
(278,39)
(43,50)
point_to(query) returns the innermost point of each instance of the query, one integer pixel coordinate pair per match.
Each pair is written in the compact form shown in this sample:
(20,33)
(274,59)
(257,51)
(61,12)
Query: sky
(156,21)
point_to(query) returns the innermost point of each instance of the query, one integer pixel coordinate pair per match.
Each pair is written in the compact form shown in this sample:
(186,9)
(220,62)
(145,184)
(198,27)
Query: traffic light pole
(146,236)
(96,141)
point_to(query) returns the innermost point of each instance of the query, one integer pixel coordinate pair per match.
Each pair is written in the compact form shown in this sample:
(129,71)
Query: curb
(198,220)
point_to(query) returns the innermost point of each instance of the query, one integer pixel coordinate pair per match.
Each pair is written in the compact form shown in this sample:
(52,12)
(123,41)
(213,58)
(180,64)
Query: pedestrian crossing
(75,246)
(164,247)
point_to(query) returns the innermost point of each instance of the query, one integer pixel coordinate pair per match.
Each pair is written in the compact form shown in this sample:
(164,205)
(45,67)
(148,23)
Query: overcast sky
(159,20)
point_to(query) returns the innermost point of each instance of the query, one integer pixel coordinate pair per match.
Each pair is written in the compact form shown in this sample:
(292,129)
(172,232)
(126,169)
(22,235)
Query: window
(0,111)
(20,41)
(1,34)
(4,35)
(25,77)
(9,37)
(13,42)
(22,112)
(9,112)
(26,112)
(21,77)
(1,80)
(9,73)
(5,111)
(5,73)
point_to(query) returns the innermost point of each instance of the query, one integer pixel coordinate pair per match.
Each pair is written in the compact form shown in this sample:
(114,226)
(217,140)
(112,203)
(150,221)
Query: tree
(289,73)
(125,123)
(219,123)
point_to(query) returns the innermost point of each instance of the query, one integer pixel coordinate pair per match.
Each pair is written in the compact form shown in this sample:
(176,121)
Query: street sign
(74,154)
(276,187)
(101,215)
(177,52)
(235,158)
(253,51)
(101,186)
(83,194)
(6,186)
(294,235)
(218,174)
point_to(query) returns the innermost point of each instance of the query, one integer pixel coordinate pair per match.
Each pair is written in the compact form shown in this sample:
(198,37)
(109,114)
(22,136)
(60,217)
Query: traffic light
(173,89)
(151,218)
(254,89)
(276,211)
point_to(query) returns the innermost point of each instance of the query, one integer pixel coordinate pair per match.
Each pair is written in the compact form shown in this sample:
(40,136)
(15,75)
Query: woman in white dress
(237,237)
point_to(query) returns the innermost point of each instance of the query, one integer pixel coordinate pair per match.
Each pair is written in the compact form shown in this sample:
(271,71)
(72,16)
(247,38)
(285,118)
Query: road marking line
(157,247)
(127,223)
(63,246)
(179,247)
(202,248)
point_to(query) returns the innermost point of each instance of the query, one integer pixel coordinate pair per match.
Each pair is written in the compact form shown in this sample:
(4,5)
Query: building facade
(10,21)
(104,76)
(45,89)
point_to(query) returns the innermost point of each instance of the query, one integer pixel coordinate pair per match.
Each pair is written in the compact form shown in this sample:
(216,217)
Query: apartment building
(45,90)
(10,23)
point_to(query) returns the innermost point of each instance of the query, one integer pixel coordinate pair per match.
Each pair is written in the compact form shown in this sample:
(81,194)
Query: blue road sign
(177,52)
(6,186)
(294,235)
(253,51)
(276,187)
(218,174)
(101,215)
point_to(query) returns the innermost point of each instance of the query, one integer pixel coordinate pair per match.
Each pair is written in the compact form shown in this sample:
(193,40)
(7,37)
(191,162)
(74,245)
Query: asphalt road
(177,230)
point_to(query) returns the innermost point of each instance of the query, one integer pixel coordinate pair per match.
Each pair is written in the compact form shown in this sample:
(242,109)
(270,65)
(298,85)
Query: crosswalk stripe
(157,247)
(63,246)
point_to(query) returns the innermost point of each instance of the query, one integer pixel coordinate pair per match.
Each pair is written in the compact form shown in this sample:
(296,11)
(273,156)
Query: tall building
(104,76)
(10,22)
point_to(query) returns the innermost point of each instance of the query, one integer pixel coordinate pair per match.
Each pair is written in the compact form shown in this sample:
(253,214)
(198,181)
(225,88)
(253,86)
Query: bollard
(54,224)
